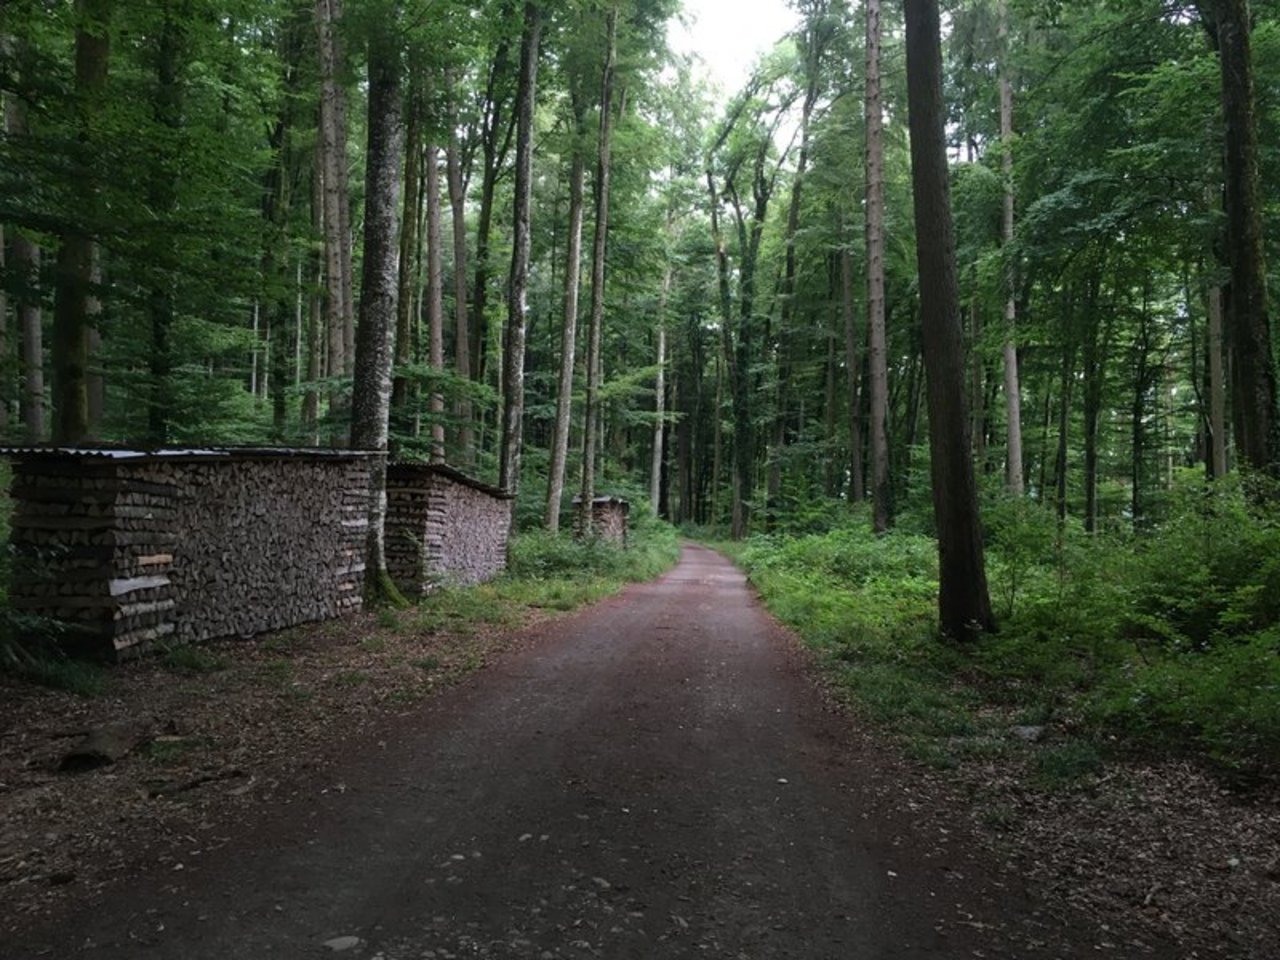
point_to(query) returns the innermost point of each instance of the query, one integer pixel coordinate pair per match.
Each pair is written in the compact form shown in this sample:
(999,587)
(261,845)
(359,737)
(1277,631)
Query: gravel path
(655,777)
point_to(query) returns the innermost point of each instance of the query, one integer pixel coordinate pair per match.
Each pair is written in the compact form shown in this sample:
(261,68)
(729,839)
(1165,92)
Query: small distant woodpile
(443,527)
(128,549)
(608,518)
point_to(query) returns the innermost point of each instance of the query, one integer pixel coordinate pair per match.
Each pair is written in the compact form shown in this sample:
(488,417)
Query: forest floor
(654,776)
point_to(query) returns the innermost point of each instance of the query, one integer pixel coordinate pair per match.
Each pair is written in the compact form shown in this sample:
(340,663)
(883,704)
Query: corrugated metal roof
(184,453)
(453,474)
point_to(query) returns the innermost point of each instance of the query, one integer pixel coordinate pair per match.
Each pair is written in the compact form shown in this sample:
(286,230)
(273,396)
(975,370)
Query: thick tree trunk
(462,332)
(75,302)
(881,492)
(379,285)
(1012,386)
(569,329)
(599,245)
(1253,378)
(964,603)
(513,346)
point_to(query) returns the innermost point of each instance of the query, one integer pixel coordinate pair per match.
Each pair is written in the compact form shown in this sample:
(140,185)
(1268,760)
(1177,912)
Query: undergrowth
(1167,641)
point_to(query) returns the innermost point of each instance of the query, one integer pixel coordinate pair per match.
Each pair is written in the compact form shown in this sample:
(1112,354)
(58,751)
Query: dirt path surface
(655,777)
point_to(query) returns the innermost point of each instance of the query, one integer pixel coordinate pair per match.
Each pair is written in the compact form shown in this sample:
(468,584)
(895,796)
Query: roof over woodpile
(104,453)
(457,476)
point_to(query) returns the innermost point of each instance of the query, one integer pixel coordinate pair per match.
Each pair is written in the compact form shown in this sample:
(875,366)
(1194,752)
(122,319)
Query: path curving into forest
(654,777)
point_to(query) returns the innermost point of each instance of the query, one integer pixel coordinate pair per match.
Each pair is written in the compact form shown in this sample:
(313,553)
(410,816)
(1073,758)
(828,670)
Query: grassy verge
(1164,643)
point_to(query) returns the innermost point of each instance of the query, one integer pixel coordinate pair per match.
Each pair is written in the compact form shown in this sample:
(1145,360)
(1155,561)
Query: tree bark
(964,604)
(599,245)
(495,141)
(462,333)
(1012,387)
(435,298)
(339,306)
(853,376)
(371,393)
(75,312)
(401,390)
(513,347)
(659,398)
(568,332)
(1253,387)
(881,492)
(24,264)
(1217,388)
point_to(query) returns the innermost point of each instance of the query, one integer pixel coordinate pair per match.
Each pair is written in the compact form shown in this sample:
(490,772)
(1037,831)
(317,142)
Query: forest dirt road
(654,777)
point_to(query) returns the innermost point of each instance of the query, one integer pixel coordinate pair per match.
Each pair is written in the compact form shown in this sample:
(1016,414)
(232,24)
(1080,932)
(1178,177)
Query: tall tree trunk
(1094,358)
(1064,424)
(659,397)
(462,332)
(853,376)
(315,314)
(881,492)
(964,603)
(569,329)
(1012,386)
(435,298)
(495,142)
(1217,388)
(379,286)
(4,313)
(1253,394)
(513,346)
(75,302)
(401,390)
(25,263)
(599,245)
(339,300)
(162,200)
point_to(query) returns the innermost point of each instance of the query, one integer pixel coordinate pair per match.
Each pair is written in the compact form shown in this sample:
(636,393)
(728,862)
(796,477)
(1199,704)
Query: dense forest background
(184,198)
(525,239)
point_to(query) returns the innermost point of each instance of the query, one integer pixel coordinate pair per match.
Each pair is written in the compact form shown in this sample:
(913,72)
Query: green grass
(193,660)
(350,678)
(80,677)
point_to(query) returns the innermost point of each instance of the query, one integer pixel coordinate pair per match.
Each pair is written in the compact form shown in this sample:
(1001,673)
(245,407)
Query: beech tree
(513,341)
(379,285)
(964,605)
(1256,420)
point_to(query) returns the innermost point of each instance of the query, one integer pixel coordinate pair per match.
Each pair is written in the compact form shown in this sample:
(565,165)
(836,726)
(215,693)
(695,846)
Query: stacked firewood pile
(278,542)
(95,546)
(443,527)
(121,550)
(608,518)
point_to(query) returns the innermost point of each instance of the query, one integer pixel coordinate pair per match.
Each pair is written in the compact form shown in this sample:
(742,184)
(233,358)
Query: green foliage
(1167,641)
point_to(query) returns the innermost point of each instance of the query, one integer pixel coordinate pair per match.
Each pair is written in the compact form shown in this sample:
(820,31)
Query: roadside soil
(656,776)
